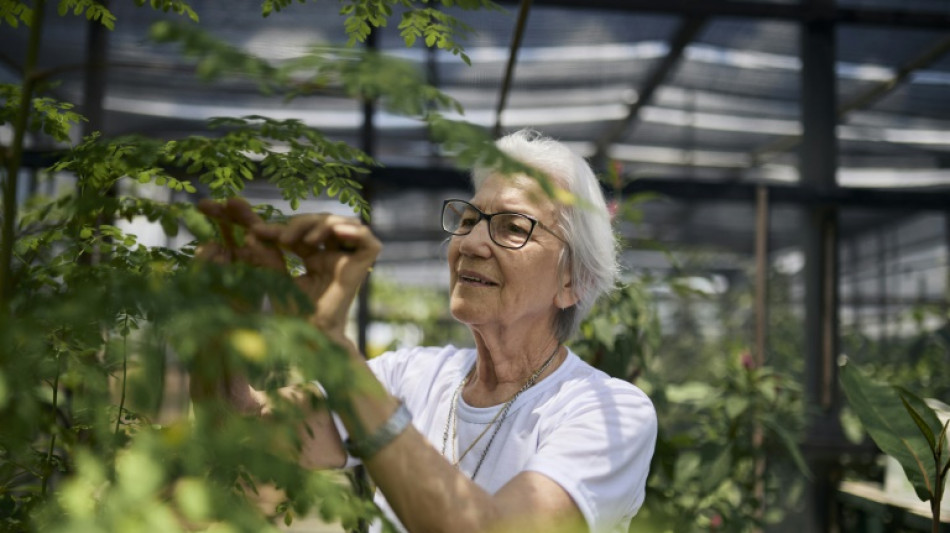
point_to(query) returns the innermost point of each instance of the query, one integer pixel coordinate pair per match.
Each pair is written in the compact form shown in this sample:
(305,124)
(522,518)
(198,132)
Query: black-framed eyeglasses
(508,230)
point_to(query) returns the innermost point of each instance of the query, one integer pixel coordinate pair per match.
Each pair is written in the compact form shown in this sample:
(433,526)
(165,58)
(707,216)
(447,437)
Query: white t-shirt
(592,434)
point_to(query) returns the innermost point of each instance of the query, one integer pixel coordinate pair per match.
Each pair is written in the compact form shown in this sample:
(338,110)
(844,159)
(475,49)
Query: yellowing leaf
(249,343)
(564,197)
(193,499)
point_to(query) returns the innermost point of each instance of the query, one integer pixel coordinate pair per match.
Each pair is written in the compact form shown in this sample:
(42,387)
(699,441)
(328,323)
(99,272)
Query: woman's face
(492,285)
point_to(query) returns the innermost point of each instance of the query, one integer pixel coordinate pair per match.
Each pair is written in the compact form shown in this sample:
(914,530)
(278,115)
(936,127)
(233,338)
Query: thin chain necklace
(496,422)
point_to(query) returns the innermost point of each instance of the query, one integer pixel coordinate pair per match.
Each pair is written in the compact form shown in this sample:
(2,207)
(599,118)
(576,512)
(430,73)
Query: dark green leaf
(919,411)
(887,422)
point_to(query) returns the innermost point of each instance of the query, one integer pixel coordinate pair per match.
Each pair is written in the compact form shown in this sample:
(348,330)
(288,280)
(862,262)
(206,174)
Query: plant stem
(125,375)
(16,157)
(935,510)
(48,471)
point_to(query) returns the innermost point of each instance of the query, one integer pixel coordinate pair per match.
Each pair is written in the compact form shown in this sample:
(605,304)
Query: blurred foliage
(919,361)
(416,316)
(729,428)
(92,321)
(727,456)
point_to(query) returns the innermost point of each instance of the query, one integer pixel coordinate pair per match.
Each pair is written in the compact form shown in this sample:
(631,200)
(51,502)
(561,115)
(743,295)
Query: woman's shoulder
(585,384)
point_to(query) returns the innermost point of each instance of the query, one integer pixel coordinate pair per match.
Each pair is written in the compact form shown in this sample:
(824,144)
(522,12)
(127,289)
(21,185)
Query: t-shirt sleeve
(599,451)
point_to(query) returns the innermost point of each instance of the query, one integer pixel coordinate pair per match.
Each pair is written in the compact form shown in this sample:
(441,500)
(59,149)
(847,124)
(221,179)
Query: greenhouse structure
(778,172)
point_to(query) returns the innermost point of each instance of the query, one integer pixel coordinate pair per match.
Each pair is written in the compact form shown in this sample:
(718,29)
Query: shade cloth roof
(697,91)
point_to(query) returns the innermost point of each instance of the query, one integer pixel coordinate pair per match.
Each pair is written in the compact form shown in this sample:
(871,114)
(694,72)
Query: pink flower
(612,207)
(715,522)
(747,361)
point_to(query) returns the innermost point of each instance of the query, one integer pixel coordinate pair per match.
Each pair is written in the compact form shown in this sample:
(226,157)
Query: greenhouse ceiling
(706,94)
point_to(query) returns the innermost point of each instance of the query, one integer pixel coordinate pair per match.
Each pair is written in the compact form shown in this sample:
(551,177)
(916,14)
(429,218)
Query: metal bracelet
(372,444)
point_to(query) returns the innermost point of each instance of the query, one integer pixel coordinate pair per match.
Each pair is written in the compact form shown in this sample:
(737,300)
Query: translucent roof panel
(727,109)
(895,135)
(577,69)
(937,6)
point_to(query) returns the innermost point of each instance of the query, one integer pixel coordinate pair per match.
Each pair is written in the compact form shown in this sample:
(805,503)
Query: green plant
(721,415)
(905,428)
(91,320)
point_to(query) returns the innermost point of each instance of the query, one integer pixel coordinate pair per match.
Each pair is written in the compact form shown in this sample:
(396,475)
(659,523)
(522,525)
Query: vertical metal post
(359,477)
(761,271)
(94,83)
(94,89)
(857,296)
(818,164)
(883,340)
(368,141)
(946,240)
(761,325)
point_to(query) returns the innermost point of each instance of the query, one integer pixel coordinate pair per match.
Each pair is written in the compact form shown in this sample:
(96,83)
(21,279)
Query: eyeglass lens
(510,230)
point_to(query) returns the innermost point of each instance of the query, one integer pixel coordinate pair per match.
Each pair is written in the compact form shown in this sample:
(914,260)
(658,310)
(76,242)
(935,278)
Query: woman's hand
(337,253)
(233,217)
(247,238)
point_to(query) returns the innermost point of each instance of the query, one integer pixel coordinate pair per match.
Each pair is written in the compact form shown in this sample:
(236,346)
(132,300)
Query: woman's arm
(425,490)
(215,387)
(429,494)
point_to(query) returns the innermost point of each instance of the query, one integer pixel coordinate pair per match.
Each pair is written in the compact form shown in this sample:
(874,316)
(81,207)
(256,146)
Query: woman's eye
(515,228)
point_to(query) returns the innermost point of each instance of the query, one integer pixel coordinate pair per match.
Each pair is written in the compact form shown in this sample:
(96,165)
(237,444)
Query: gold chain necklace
(496,422)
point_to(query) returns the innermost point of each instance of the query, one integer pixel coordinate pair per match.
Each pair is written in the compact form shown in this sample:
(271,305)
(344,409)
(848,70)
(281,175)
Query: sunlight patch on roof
(719,122)
(674,156)
(930,137)
(533,117)
(545,54)
(892,177)
(930,77)
(740,58)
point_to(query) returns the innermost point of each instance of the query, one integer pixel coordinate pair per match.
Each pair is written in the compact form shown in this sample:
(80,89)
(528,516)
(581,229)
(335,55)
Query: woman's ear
(565,296)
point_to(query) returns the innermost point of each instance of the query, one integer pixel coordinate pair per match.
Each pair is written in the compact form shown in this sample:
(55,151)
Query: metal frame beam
(866,99)
(512,60)
(818,164)
(898,18)
(402,178)
(684,35)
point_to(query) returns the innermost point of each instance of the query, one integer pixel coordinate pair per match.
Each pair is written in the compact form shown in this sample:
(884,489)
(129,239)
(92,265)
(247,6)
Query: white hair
(591,253)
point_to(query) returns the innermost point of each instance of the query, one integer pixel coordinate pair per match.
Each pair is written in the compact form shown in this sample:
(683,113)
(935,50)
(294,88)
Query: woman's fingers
(239,212)
(357,239)
(237,220)
(210,208)
(306,235)
(213,252)
(218,213)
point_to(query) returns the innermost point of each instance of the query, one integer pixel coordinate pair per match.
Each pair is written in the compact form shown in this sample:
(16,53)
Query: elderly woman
(517,432)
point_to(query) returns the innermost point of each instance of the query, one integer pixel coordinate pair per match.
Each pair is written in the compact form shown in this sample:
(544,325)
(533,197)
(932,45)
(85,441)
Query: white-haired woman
(517,433)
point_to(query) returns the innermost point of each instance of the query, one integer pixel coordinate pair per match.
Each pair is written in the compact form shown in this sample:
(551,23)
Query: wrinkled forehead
(518,192)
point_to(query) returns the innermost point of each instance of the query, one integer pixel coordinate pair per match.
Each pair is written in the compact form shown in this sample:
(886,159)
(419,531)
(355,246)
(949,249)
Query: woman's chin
(466,313)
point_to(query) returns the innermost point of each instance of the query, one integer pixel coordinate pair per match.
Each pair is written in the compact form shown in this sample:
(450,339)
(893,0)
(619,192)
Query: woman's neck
(504,365)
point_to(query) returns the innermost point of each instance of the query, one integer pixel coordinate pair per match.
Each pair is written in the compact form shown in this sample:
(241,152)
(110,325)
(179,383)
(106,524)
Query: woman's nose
(477,241)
